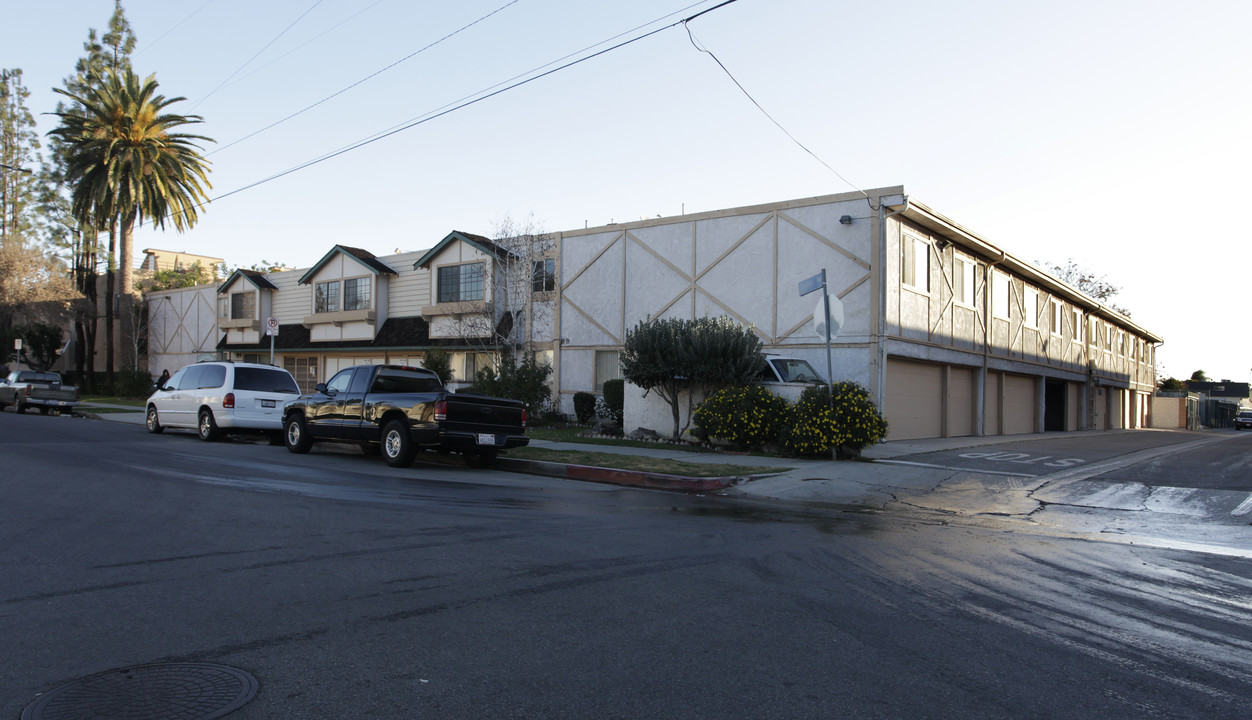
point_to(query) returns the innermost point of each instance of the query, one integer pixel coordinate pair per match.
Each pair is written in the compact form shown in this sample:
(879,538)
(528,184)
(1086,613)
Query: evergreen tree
(81,242)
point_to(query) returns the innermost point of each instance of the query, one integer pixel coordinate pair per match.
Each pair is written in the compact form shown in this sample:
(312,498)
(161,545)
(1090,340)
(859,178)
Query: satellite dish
(820,321)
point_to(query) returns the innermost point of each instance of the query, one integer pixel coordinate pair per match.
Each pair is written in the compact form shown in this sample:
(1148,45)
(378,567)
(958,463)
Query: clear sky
(1109,131)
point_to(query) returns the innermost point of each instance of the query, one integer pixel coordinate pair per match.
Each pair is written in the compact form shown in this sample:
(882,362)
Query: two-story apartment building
(952,334)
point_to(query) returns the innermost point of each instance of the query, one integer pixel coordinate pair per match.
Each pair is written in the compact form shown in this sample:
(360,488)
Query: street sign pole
(807,286)
(271,329)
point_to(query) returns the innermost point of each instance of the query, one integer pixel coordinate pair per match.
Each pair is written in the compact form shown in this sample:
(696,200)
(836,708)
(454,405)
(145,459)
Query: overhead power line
(473,100)
(367,77)
(704,49)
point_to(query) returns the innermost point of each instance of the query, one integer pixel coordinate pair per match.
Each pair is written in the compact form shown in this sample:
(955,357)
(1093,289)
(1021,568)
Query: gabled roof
(364,257)
(257,279)
(484,245)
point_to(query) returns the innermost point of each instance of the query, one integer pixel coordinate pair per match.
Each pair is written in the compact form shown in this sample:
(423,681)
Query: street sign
(813,284)
(271,326)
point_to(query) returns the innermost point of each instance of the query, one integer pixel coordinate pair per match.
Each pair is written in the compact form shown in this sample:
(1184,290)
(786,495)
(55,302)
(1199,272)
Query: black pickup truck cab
(399,410)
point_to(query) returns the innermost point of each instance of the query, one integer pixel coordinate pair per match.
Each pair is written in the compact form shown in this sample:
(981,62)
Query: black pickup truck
(399,410)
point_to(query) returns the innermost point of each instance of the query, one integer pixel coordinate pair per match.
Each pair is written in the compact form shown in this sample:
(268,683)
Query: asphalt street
(351,589)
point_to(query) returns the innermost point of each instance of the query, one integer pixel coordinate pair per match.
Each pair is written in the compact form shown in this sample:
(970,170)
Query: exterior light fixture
(845,219)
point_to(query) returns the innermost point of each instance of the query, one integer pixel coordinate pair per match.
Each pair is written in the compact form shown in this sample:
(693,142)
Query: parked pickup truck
(31,388)
(400,410)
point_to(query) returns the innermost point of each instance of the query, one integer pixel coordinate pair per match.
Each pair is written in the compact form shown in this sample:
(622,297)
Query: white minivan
(217,397)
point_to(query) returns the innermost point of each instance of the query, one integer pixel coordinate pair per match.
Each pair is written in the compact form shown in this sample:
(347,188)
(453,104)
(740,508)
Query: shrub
(584,407)
(526,381)
(853,423)
(747,416)
(438,362)
(610,407)
(132,383)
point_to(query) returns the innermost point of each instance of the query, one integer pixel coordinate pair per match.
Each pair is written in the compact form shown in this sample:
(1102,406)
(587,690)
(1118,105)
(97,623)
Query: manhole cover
(166,691)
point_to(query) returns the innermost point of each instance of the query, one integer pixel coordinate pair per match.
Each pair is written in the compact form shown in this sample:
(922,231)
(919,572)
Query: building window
(1056,317)
(1078,325)
(963,281)
(243,306)
(326,297)
(543,276)
(1031,309)
(915,263)
(461,283)
(304,370)
(356,294)
(473,363)
(608,367)
(223,307)
(1001,294)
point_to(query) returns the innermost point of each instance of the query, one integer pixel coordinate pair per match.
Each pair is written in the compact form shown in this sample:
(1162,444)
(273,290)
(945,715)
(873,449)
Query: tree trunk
(109,336)
(125,293)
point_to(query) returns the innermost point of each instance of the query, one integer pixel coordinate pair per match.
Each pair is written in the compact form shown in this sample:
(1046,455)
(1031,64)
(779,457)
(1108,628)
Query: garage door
(914,399)
(1019,404)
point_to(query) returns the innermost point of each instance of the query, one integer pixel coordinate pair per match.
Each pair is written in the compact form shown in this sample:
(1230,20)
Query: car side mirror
(321,388)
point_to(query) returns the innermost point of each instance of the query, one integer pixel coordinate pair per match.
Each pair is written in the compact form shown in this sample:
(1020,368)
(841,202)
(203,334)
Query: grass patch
(638,463)
(571,435)
(113,400)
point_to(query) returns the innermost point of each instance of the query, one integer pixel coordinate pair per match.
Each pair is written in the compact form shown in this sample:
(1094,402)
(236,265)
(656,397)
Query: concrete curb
(612,476)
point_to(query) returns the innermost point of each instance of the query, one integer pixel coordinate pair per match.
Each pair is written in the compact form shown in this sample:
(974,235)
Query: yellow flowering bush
(746,416)
(852,424)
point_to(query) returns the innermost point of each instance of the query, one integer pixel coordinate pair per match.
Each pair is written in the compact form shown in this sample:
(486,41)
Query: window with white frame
(1001,294)
(243,305)
(461,283)
(963,270)
(356,294)
(1093,337)
(915,263)
(1056,316)
(1030,301)
(1078,325)
(326,297)
(608,367)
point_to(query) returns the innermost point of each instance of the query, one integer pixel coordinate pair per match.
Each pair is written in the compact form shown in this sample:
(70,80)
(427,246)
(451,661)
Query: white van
(217,397)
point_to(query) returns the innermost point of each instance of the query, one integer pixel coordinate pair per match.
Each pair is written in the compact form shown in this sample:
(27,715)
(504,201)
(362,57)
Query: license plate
(486,439)
(267,403)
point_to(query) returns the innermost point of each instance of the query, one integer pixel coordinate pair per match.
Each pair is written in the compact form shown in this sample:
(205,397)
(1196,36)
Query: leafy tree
(40,341)
(33,286)
(1200,376)
(675,357)
(127,163)
(1087,282)
(1172,384)
(180,277)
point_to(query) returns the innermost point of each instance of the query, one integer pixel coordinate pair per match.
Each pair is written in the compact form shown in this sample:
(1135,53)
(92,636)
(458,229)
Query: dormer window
(326,297)
(461,283)
(243,305)
(356,294)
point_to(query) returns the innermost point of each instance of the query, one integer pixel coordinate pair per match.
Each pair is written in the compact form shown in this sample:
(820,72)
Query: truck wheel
(479,459)
(297,435)
(153,421)
(398,448)
(208,426)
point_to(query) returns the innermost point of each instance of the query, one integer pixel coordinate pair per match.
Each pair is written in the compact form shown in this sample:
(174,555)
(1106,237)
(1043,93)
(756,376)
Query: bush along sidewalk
(751,417)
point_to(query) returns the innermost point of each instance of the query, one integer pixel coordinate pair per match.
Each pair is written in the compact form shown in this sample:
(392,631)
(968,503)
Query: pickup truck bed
(31,388)
(399,410)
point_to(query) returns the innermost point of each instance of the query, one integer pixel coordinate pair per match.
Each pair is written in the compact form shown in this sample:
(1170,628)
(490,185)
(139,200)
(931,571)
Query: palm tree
(126,162)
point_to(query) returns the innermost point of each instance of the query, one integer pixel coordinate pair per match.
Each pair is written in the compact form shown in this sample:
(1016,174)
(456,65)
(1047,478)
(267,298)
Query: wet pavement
(1171,484)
